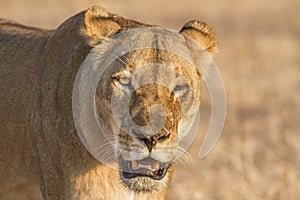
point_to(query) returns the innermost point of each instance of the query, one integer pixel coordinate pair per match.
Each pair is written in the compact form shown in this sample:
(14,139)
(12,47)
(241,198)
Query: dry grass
(257,156)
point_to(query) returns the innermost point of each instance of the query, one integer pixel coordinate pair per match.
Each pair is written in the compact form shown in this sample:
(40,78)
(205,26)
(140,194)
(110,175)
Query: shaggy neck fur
(100,184)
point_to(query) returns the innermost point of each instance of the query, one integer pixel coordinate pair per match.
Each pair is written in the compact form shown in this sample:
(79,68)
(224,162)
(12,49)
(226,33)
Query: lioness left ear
(99,25)
(201,33)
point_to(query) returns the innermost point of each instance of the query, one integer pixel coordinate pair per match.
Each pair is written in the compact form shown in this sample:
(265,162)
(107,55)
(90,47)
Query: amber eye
(182,88)
(178,87)
(124,81)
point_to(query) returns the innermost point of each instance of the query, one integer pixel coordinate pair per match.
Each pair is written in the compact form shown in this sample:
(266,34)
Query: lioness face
(149,78)
(147,99)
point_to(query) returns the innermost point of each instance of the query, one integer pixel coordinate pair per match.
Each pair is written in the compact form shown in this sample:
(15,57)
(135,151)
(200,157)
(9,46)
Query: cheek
(125,142)
(189,102)
(188,125)
(166,151)
(131,148)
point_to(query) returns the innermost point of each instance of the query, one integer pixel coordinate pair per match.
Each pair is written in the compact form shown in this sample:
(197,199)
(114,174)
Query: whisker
(185,158)
(105,145)
(106,151)
(107,154)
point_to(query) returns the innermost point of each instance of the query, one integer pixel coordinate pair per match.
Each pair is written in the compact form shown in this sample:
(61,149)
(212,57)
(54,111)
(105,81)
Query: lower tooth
(155,166)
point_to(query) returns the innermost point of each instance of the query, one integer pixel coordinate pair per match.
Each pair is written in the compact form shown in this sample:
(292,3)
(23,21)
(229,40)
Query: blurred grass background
(258,154)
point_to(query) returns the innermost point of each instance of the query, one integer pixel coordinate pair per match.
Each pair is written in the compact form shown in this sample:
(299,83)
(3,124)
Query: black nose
(150,142)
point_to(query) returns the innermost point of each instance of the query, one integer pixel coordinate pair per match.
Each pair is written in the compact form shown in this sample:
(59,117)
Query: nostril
(162,138)
(150,143)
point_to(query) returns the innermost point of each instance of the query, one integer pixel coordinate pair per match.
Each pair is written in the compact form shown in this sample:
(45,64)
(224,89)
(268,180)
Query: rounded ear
(201,33)
(98,25)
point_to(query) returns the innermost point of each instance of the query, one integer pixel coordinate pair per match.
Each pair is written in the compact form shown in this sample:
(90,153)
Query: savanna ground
(258,155)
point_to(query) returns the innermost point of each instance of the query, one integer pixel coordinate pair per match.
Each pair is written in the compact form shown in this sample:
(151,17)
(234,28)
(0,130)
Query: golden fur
(41,156)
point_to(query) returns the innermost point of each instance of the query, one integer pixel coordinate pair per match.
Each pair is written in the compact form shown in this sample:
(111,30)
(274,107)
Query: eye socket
(180,87)
(124,81)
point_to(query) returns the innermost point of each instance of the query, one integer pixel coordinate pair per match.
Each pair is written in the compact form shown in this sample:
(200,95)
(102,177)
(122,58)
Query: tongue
(146,163)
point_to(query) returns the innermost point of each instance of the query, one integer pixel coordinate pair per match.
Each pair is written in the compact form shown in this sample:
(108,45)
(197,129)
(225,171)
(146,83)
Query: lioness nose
(150,142)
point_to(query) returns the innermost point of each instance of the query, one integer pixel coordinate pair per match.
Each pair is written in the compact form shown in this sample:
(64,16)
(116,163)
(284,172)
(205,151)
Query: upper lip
(148,167)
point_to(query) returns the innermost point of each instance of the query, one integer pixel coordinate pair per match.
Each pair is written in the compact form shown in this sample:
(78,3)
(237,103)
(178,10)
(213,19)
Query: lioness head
(160,91)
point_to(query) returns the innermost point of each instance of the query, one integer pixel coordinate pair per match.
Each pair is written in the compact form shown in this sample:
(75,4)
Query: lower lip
(160,173)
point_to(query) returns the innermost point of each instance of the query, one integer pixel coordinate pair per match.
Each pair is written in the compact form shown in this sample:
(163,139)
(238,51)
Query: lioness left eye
(180,87)
(177,88)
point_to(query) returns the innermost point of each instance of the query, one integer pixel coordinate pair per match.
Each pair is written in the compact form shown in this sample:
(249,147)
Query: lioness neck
(103,183)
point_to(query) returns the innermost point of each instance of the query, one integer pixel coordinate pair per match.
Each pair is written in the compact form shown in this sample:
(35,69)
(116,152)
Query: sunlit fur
(41,154)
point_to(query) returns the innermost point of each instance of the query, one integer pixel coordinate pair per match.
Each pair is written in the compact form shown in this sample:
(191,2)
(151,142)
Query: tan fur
(41,155)
(203,34)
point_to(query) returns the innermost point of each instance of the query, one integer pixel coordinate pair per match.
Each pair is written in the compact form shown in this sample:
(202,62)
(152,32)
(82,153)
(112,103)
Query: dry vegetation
(257,156)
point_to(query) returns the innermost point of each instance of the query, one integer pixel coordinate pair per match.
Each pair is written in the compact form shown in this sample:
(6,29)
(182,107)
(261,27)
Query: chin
(145,175)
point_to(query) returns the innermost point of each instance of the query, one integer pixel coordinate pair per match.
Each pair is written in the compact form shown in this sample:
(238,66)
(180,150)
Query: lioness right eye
(124,81)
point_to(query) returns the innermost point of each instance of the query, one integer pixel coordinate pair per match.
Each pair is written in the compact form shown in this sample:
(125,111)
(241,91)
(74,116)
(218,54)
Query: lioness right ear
(99,25)
(201,33)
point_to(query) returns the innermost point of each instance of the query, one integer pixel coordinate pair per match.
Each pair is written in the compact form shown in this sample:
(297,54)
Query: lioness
(41,154)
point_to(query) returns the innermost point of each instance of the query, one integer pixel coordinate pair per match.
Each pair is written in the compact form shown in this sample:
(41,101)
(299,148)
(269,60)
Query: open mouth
(147,167)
